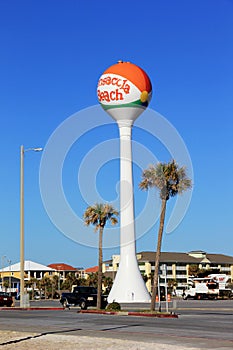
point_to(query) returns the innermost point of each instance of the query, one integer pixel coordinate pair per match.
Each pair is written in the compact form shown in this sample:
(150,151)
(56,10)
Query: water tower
(124,91)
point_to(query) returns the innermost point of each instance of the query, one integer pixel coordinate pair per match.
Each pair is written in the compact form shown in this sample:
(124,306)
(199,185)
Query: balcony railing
(180,268)
(181,276)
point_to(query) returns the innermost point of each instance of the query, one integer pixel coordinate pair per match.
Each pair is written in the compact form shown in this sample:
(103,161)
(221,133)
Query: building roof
(168,257)
(186,258)
(92,269)
(62,267)
(28,266)
(220,258)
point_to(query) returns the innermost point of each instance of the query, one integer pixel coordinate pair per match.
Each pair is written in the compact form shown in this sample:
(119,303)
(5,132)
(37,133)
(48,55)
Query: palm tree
(98,215)
(54,281)
(108,282)
(172,284)
(46,285)
(170,180)
(92,279)
(32,284)
(193,270)
(70,281)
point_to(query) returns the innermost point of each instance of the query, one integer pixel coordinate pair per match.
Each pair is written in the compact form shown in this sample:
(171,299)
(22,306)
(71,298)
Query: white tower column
(128,285)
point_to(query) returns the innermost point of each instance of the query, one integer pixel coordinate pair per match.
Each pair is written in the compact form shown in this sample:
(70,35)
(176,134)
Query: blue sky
(52,54)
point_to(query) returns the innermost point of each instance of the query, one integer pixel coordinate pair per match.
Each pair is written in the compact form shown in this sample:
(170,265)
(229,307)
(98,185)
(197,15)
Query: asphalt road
(201,324)
(175,304)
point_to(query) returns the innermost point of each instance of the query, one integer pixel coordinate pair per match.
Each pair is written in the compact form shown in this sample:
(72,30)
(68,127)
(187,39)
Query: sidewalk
(26,341)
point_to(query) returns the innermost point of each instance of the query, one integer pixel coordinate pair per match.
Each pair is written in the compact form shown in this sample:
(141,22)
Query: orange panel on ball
(133,73)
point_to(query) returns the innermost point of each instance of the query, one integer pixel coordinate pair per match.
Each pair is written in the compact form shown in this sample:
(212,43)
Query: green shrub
(114,306)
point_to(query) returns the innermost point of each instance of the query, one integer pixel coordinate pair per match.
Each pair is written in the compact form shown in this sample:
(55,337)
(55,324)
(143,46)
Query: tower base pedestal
(129,286)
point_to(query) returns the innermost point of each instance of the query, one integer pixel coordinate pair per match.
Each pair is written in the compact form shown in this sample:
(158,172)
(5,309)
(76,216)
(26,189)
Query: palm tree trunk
(99,291)
(158,251)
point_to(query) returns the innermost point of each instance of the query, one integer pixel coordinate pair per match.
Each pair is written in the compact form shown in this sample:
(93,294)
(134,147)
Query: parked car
(5,299)
(39,295)
(83,296)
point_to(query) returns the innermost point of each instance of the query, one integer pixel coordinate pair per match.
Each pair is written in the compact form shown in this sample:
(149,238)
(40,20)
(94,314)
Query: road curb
(101,312)
(31,308)
(160,315)
(129,313)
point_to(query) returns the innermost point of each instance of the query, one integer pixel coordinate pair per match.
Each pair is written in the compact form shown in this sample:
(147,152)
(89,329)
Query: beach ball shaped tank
(124,91)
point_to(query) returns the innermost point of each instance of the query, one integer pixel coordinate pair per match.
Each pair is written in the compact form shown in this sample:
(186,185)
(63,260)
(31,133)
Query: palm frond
(98,214)
(168,178)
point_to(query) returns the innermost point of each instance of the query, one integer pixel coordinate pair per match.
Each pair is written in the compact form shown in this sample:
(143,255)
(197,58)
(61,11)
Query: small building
(62,270)
(11,274)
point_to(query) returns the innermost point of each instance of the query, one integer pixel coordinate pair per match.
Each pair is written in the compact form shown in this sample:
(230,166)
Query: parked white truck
(210,287)
(222,280)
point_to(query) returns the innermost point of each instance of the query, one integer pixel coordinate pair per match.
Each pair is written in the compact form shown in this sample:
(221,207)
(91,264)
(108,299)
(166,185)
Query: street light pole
(59,281)
(3,257)
(9,262)
(22,151)
(22,226)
